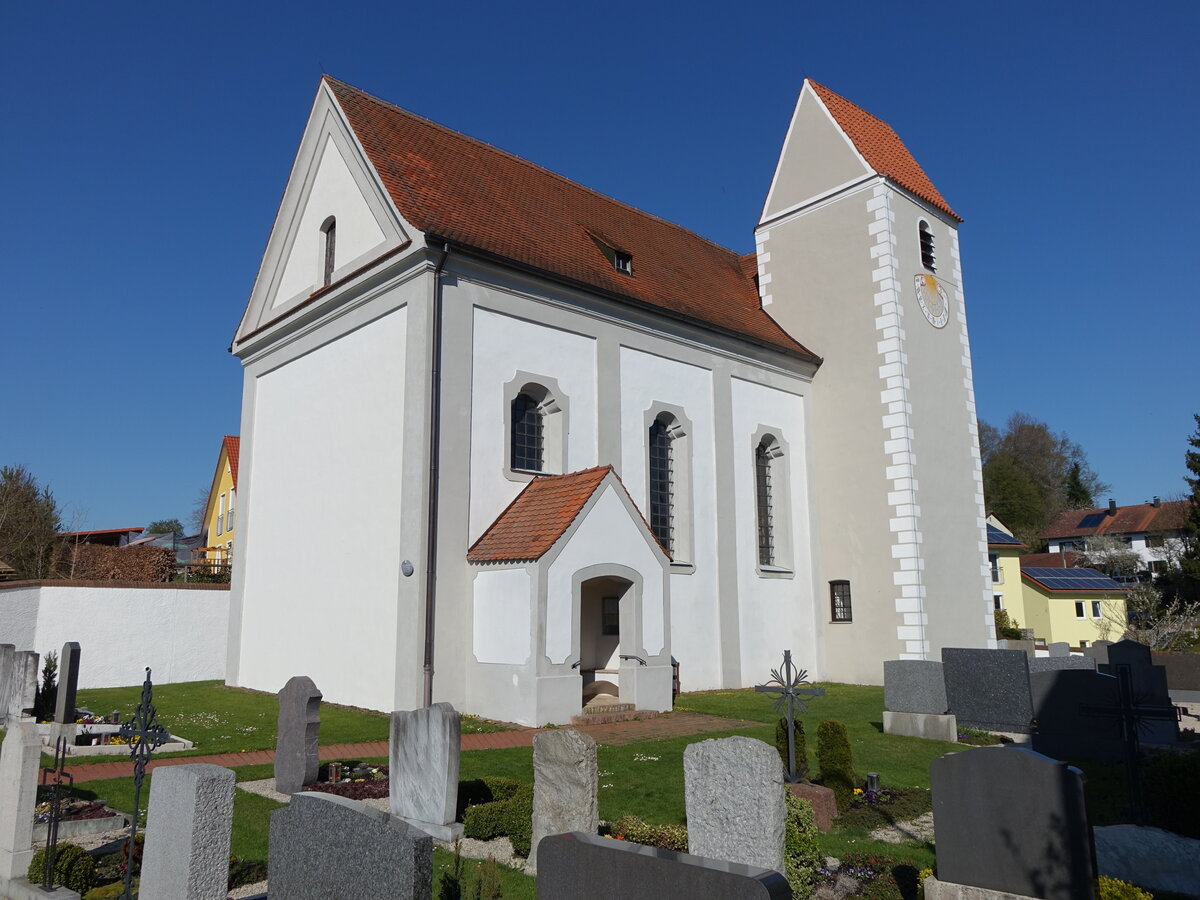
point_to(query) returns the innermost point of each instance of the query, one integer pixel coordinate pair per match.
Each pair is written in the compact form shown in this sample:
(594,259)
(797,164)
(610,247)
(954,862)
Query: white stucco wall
(178,632)
(647,380)
(503,346)
(502,627)
(775,613)
(322,526)
(333,193)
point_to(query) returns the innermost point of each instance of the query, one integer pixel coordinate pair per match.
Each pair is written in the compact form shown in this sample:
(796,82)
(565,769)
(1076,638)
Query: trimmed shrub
(519,819)
(484,790)
(638,831)
(1114,889)
(801,747)
(112,891)
(836,761)
(487,820)
(801,856)
(73,868)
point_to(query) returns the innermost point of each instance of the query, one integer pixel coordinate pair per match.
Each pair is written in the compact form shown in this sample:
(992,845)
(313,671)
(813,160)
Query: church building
(512,444)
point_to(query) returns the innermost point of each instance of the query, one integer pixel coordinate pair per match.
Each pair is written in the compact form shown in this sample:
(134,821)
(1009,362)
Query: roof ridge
(459,134)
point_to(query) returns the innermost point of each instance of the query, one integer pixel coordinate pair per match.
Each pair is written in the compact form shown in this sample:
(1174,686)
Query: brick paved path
(673,725)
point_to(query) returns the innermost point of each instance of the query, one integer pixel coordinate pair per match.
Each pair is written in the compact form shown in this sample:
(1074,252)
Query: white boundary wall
(178,631)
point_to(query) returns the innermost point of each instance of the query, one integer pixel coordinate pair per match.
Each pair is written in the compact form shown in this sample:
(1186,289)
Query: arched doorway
(600,602)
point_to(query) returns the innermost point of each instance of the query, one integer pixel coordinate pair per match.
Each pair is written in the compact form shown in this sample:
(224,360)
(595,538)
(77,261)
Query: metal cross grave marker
(788,683)
(56,777)
(1131,714)
(145,736)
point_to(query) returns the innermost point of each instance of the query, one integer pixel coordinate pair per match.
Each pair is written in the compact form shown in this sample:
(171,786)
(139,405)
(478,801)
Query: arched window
(526,434)
(329,231)
(662,483)
(928,260)
(762,495)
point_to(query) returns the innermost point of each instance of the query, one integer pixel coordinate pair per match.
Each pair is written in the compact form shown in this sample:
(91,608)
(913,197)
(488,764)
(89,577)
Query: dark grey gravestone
(1058,663)
(1064,730)
(1149,688)
(296,761)
(68,683)
(1059,648)
(325,847)
(988,689)
(580,866)
(188,830)
(733,793)
(1009,819)
(423,775)
(565,785)
(914,686)
(1098,650)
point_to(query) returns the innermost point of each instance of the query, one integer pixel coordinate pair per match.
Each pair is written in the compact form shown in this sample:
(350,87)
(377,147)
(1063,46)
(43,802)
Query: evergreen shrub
(73,868)
(836,762)
(801,855)
(781,742)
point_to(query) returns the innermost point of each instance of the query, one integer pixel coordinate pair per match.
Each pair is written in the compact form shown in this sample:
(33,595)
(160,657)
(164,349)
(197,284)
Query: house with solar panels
(1004,560)
(1153,530)
(1079,606)
(565,444)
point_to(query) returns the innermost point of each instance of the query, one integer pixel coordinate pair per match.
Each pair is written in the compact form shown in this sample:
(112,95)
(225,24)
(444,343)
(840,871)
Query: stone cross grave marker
(1149,683)
(1008,819)
(188,832)
(297,738)
(733,792)
(565,785)
(788,684)
(325,847)
(423,771)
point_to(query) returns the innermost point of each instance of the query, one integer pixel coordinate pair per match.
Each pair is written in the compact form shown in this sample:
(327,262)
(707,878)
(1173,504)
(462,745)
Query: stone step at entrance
(613,712)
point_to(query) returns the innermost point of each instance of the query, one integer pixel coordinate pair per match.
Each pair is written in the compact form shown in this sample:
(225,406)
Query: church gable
(335,218)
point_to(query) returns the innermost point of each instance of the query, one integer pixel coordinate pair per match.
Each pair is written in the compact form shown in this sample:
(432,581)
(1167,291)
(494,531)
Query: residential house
(220,516)
(1152,530)
(1004,560)
(1079,606)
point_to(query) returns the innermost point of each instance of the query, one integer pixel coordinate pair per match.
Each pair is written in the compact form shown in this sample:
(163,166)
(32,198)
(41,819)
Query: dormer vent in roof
(622,260)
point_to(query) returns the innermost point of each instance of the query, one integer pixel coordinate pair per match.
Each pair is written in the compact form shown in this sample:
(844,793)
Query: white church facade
(505,439)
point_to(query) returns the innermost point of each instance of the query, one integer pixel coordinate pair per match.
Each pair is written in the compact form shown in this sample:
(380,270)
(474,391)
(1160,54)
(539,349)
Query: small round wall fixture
(406,567)
(933,300)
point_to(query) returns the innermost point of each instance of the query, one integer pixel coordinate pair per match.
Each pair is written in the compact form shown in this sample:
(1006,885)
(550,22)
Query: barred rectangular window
(839,601)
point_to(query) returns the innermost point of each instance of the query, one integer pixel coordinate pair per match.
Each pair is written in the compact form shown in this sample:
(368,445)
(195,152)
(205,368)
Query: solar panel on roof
(1072,579)
(1091,520)
(996,536)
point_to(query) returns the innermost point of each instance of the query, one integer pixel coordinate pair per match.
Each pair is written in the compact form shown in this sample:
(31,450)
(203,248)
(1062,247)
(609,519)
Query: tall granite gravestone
(1058,663)
(1011,820)
(20,755)
(188,830)
(423,775)
(1064,730)
(325,847)
(565,785)
(68,684)
(914,692)
(1059,648)
(733,792)
(296,741)
(580,866)
(7,653)
(989,689)
(22,685)
(1149,689)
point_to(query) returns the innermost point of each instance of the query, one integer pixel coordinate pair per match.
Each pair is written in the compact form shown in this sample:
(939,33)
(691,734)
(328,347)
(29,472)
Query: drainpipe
(435,443)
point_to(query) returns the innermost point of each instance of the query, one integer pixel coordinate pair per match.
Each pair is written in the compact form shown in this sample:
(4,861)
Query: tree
(29,524)
(1012,496)
(1078,495)
(165,526)
(1113,557)
(199,516)
(1159,623)
(1183,583)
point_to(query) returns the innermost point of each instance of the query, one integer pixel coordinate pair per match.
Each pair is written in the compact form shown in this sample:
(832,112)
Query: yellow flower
(858,790)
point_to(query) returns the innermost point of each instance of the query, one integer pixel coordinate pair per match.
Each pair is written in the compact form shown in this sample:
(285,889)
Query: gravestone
(1064,730)
(1149,688)
(580,866)
(1058,663)
(423,774)
(187,834)
(1025,646)
(68,684)
(1098,650)
(296,741)
(7,653)
(325,847)
(1008,819)
(1183,674)
(988,689)
(914,686)
(733,792)
(22,685)
(565,785)
(1059,648)
(20,755)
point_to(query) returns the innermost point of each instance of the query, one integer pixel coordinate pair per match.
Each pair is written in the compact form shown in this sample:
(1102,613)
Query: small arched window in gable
(328,242)
(928,259)
(527,446)
(662,483)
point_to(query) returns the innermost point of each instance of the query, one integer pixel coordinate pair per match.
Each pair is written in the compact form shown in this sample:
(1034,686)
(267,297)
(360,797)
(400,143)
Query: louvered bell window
(928,260)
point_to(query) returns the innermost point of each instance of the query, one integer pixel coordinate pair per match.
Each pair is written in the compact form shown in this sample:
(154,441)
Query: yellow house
(1079,606)
(220,516)
(1004,555)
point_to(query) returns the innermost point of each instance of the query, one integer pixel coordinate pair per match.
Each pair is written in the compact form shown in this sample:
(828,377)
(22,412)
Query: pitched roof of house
(882,148)
(1138,519)
(538,517)
(1070,581)
(233,446)
(455,187)
(998,538)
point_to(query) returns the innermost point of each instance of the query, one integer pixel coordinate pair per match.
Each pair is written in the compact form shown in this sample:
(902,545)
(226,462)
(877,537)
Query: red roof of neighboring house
(1063,560)
(233,444)
(882,148)
(454,187)
(538,517)
(134,529)
(1144,517)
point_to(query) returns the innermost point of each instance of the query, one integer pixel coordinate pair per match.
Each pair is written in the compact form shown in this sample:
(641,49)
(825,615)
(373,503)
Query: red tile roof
(1064,560)
(881,147)
(233,445)
(454,187)
(1144,517)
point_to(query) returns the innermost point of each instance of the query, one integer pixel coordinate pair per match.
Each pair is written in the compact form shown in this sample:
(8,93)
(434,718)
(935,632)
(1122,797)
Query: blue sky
(146,149)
